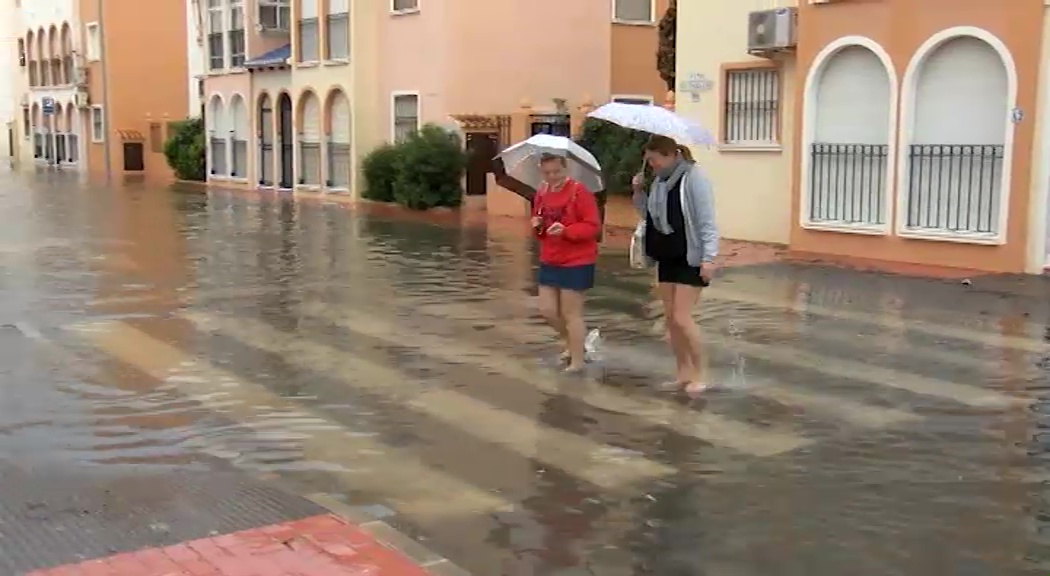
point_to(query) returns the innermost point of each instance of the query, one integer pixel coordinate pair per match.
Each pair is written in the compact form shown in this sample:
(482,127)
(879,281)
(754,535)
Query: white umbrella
(521,161)
(655,120)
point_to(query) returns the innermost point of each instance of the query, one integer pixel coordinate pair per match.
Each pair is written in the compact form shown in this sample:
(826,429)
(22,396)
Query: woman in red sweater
(566,221)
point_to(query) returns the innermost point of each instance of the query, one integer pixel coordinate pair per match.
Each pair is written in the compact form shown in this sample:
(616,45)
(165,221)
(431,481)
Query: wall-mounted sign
(1017,115)
(695,85)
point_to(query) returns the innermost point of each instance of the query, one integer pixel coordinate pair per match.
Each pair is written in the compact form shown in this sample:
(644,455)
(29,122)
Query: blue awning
(278,57)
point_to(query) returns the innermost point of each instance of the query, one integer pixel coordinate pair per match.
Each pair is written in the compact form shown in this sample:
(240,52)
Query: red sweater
(576,208)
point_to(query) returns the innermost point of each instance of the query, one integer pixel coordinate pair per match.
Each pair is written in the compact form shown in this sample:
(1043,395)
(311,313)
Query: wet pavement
(169,358)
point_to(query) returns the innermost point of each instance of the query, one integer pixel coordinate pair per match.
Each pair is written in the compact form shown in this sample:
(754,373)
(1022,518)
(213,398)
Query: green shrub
(429,168)
(186,150)
(618,150)
(380,170)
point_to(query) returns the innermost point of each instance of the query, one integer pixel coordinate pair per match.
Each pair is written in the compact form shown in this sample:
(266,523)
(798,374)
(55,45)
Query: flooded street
(161,348)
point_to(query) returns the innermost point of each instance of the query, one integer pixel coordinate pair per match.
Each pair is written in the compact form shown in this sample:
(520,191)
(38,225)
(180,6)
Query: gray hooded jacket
(698,208)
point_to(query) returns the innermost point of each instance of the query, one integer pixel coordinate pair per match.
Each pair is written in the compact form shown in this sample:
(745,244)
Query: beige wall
(490,73)
(752,185)
(414,51)
(366,100)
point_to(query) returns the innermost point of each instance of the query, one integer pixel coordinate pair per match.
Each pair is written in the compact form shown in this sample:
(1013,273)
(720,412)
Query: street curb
(390,537)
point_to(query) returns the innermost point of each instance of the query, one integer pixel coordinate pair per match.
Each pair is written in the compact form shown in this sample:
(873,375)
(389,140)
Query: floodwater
(862,424)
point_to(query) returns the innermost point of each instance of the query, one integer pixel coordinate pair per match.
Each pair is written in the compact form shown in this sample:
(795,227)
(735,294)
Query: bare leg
(683,364)
(572,314)
(550,309)
(684,300)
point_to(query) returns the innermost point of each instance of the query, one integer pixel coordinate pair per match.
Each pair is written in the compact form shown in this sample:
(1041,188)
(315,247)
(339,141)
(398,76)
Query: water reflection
(867,424)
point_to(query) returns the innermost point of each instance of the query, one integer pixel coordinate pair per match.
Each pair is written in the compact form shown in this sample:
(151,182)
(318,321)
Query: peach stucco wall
(144,85)
(461,59)
(632,61)
(414,53)
(901,27)
(502,52)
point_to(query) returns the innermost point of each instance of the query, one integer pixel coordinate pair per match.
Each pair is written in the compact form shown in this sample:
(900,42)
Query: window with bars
(752,107)
(406,116)
(633,11)
(236,34)
(309,40)
(337,21)
(275,15)
(404,5)
(216,45)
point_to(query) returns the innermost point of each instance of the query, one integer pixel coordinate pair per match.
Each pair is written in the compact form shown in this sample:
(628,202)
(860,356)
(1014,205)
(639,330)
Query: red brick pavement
(318,546)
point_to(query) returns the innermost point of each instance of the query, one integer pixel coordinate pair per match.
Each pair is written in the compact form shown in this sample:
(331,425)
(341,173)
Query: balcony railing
(218,157)
(847,184)
(338,165)
(954,188)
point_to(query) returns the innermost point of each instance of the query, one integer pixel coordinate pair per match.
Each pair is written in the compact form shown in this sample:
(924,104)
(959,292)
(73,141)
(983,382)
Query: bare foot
(696,388)
(574,369)
(565,357)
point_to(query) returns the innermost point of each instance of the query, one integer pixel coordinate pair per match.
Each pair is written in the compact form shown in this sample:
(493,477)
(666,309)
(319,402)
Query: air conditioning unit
(81,99)
(770,31)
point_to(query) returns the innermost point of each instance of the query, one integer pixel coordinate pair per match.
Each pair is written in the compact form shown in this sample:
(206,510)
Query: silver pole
(106,145)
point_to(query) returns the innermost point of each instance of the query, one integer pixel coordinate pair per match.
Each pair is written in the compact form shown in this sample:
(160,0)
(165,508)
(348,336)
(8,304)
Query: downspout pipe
(106,134)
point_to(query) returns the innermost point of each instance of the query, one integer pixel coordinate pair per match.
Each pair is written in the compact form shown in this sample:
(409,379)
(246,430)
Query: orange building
(102,84)
(932,101)
(909,131)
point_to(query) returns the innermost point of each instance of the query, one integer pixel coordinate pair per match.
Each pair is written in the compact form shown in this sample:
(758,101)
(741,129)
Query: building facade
(94,99)
(10,32)
(892,130)
(340,77)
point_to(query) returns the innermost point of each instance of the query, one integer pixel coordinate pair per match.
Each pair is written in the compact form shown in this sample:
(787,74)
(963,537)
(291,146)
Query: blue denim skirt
(578,278)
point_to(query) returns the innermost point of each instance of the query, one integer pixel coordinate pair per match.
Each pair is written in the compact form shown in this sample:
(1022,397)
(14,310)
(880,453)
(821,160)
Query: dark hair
(668,147)
(551,158)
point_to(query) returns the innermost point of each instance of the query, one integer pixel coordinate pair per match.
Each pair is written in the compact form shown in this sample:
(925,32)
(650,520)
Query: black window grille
(752,107)
(954,188)
(847,183)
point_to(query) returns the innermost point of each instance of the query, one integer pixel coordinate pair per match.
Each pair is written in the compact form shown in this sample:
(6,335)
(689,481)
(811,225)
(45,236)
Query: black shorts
(680,273)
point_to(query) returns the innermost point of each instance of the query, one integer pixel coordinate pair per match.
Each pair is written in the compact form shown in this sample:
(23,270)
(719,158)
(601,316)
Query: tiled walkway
(317,546)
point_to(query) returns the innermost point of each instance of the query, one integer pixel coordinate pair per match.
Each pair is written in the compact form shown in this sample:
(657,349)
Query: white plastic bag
(637,252)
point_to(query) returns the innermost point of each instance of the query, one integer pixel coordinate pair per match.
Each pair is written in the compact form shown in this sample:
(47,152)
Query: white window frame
(92,42)
(651,21)
(393,111)
(622,97)
(98,138)
(235,7)
(326,52)
(280,7)
(397,12)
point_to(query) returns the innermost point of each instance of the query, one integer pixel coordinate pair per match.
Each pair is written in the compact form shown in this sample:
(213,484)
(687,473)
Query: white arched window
(217,137)
(239,137)
(58,135)
(339,164)
(957,138)
(264,118)
(310,140)
(72,135)
(849,117)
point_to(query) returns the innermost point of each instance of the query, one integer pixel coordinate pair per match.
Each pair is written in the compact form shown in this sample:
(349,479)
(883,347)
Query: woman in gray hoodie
(681,239)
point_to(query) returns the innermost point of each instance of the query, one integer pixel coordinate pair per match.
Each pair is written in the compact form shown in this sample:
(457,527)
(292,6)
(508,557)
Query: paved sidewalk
(322,545)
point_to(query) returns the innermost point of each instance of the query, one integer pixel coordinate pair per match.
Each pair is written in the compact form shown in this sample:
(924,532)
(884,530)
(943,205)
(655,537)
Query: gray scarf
(666,179)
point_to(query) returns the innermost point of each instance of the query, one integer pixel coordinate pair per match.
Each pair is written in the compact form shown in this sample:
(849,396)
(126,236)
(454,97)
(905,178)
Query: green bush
(186,150)
(618,150)
(380,170)
(429,167)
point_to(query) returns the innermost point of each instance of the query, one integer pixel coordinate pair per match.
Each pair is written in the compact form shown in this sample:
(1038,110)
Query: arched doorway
(265,169)
(287,139)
